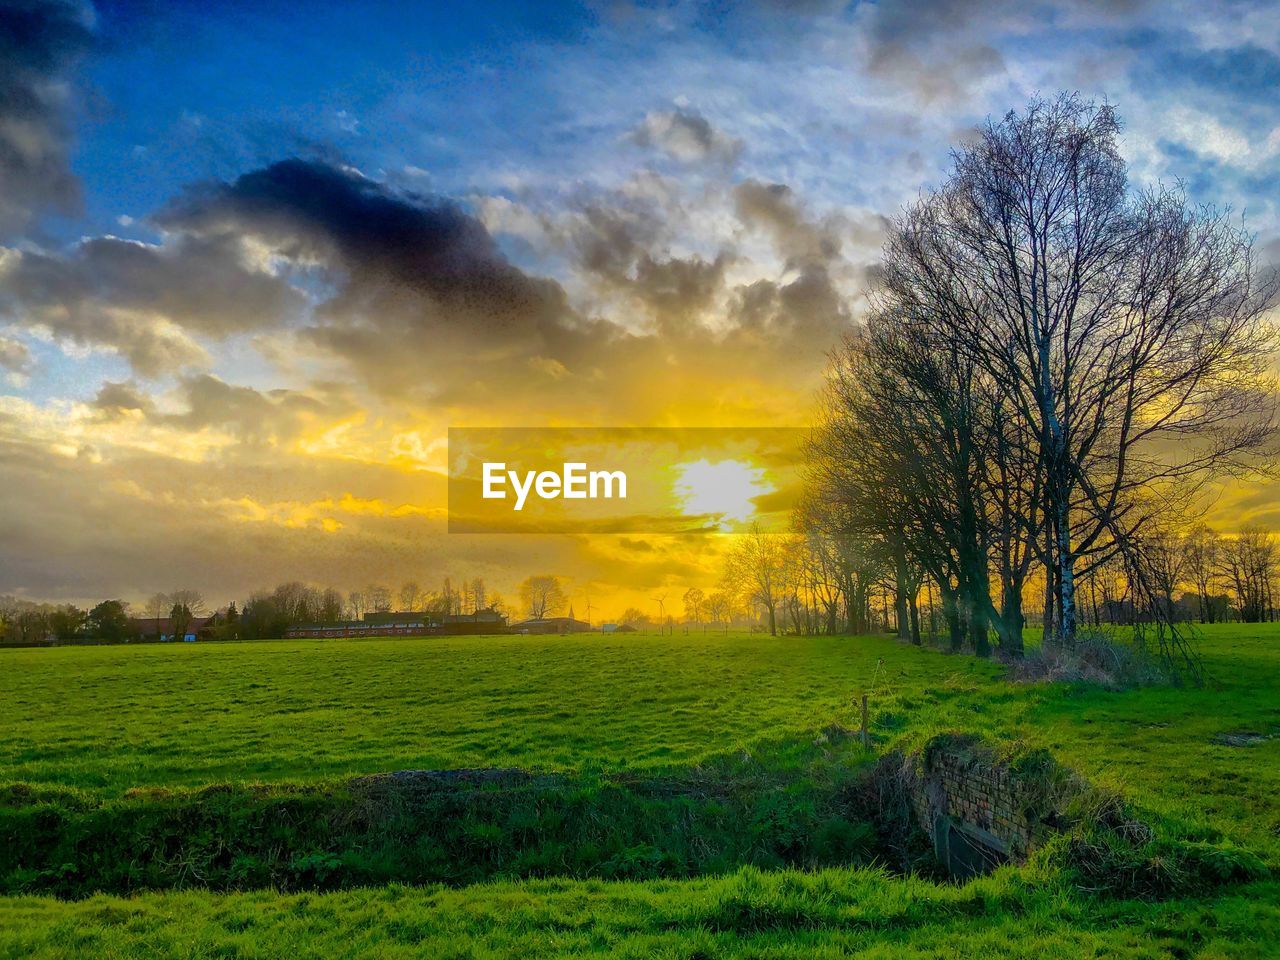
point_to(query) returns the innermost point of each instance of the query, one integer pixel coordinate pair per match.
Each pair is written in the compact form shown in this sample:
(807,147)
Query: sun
(725,489)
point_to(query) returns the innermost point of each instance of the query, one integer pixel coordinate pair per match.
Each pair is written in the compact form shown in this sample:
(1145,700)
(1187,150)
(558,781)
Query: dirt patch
(1241,738)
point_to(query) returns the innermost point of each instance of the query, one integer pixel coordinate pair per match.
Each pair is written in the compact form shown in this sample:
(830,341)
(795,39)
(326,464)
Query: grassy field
(111,718)
(833,913)
(101,721)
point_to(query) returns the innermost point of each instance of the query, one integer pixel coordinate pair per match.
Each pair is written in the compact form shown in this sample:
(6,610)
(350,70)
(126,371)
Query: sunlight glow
(725,489)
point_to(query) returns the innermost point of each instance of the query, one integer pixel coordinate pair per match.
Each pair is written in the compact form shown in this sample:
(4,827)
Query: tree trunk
(1066,578)
(1012,620)
(951,611)
(900,592)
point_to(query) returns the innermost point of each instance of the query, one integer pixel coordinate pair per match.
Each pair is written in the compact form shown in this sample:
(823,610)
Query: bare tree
(410,595)
(1249,564)
(694,600)
(193,600)
(755,571)
(719,608)
(330,606)
(542,596)
(378,598)
(157,606)
(1201,547)
(1113,322)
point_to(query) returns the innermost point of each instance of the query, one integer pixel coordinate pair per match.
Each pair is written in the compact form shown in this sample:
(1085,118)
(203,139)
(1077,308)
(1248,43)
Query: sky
(257,259)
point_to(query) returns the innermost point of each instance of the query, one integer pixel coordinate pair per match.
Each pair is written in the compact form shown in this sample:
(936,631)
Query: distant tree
(330,606)
(22,621)
(450,597)
(719,608)
(180,617)
(1201,547)
(634,617)
(67,621)
(157,607)
(1249,564)
(262,617)
(438,606)
(1163,556)
(694,605)
(109,620)
(378,598)
(478,595)
(193,600)
(356,604)
(229,623)
(542,596)
(410,595)
(755,571)
(297,602)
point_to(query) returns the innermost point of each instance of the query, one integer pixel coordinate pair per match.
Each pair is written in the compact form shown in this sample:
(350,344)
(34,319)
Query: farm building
(406,624)
(363,628)
(551,625)
(161,628)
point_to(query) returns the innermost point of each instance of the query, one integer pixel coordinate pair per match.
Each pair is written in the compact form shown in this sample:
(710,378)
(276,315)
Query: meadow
(111,718)
(112,741)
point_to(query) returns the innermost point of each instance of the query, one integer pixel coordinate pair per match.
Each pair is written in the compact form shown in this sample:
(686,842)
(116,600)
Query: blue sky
(674,211)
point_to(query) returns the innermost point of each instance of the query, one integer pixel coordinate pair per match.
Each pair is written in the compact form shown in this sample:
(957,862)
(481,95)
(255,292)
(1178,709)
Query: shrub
(1097,658)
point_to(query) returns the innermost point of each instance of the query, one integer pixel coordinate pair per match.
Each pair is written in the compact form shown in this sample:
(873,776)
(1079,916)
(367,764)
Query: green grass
(832,913)
(99,721)
(111,718)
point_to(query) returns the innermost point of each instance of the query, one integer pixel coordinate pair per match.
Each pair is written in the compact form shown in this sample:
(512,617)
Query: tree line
(1055,366)
(265,614)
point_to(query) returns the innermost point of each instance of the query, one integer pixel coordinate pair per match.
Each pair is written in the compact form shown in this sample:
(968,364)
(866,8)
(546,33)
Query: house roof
(536,620)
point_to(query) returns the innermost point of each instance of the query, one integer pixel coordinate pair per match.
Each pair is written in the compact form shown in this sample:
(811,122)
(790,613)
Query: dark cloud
(417,278)
(118,399)
(143,300)
(775,208)
(807,310)
(311,211)
(609,238)
(678,291)
(686,135)
(40,44)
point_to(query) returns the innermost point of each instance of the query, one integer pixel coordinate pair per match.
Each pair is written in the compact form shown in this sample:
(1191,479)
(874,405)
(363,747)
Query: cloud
(40,43)
(685,135)
(808,309)
(417,279)
(247,416)
(311,211)
(145,301)
(15,356)
(1208,136)
(941,52)
(115,400)
(775,208)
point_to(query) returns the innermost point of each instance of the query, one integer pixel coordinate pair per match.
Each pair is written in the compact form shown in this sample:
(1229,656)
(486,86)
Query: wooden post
(866,735)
